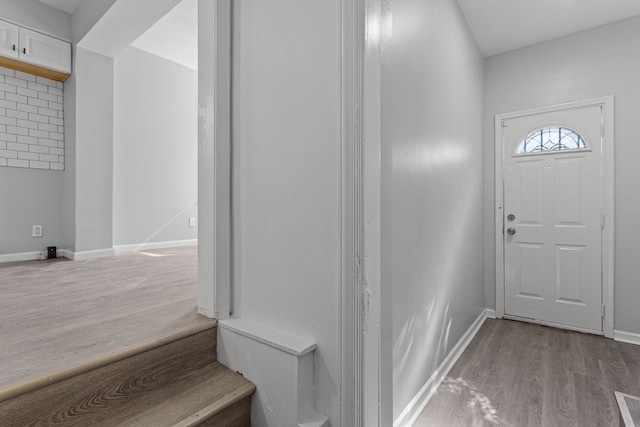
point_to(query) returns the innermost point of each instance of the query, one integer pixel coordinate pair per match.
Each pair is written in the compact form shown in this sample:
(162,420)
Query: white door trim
(607,104)
(214,158)
(360,367)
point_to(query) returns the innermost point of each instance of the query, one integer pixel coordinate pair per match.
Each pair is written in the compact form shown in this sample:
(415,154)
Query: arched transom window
(551,139)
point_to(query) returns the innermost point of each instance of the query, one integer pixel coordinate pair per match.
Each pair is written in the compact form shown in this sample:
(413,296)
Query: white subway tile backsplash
(38,118)
(8,137)
(25,76)
(8,88)
(38,165)
(47,127)
(27,92)
(38,102)
(31,121)
(40,133)
(17,146)
(15,82)
(47,142)
(17,114)
(27,108)
(12,121)
(16,98)
(25,155)
(47,112)
(37,86)
(40,149)
(27,124)
(18,130)
(47,97)
(7,72)
(55,91)
(18,163)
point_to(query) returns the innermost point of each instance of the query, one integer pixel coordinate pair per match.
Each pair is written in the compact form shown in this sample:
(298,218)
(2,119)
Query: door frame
(607,132)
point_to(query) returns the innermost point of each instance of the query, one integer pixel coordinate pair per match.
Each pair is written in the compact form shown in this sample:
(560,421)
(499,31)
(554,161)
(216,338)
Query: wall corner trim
(419,402)
(628,337)
(272,337)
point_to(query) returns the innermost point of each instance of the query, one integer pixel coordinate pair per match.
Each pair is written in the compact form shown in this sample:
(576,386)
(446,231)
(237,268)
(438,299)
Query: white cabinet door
(8,39)
(46,51)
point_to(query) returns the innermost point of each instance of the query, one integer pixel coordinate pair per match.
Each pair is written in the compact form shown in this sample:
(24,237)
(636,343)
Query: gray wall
(93,151)
(432,207)
(600,62)
(29,196)
(155,149)
(286,176)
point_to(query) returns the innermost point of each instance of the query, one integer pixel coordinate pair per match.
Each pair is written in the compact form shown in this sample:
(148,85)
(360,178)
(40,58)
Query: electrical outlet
(192,221)
(36,231)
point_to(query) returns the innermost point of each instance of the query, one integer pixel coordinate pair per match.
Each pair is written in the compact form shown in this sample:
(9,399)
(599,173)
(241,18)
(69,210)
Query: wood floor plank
(519,374)
(55,314)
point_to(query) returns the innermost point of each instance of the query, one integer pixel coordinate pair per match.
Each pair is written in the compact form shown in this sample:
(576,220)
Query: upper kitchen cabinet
(8,39)
(35,53)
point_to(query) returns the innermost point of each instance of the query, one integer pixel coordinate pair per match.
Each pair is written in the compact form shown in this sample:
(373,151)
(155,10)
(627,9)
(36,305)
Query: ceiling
(68,6)
(175,36)
(503,25)
(498,25)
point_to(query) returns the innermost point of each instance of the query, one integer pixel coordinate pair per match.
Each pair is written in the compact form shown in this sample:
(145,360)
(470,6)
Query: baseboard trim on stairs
(418,403)
(217,407)
(63,374)
(628,337)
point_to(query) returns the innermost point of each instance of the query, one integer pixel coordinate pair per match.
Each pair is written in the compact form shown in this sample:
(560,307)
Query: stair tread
(175,402)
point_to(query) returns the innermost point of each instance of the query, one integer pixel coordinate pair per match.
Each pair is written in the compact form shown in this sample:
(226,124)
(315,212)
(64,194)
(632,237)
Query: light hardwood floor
(56,314)
(519,374)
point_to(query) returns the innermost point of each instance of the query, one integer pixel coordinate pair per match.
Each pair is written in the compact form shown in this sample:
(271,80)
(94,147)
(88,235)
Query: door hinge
(602,221)
(602,311)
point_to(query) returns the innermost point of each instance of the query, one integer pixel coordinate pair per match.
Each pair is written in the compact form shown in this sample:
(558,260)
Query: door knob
(511,231)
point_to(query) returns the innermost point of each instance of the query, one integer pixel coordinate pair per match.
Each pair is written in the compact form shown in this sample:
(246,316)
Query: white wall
(599,62)
(286,176)
(432,208)
(155,149)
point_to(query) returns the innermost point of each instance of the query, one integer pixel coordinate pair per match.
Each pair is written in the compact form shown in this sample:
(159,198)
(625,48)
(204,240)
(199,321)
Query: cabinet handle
(14,47)
(24,50)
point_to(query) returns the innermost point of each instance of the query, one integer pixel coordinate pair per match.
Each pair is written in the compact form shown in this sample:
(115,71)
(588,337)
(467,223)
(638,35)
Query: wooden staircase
(172,381)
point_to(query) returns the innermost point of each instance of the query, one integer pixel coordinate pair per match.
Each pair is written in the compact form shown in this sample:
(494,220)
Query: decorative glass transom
(551,139)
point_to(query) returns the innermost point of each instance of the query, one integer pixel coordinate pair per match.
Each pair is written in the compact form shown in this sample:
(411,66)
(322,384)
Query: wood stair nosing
(138,389)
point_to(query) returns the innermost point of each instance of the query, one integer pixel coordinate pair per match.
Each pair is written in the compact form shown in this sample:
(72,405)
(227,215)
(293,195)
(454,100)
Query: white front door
(553,189)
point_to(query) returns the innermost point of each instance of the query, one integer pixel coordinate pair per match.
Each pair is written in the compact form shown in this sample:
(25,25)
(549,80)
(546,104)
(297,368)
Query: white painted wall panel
(432,211)
(286,175)
(155,149)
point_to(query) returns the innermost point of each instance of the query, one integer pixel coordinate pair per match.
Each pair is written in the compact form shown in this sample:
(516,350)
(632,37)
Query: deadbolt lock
(511,217)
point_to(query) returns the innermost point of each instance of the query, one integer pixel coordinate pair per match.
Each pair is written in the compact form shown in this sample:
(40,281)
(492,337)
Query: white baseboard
(119,249)
(628,337)
(84,255)
(24,256)
(418,403)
